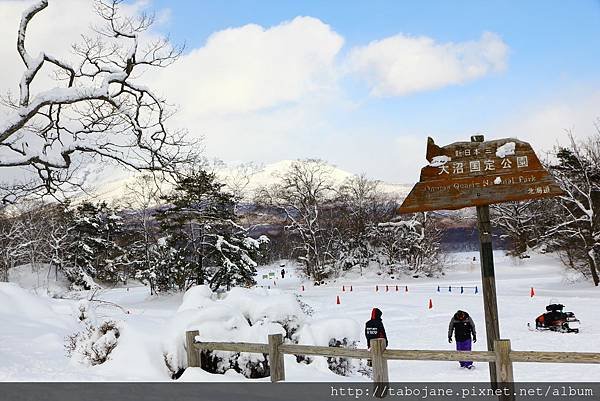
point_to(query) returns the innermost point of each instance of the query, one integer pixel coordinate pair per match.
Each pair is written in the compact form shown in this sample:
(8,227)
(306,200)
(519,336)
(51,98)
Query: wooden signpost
(479,173)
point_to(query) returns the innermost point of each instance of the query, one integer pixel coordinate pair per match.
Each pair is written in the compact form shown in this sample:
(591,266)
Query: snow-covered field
(34,326)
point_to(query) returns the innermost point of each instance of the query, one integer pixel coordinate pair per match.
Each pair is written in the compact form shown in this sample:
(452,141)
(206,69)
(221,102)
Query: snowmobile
(556,320)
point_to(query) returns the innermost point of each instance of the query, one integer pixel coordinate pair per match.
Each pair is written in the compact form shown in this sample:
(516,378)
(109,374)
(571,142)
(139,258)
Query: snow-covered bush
(240,315)
(250,315)
(342,365)
(94,344)
(332,333)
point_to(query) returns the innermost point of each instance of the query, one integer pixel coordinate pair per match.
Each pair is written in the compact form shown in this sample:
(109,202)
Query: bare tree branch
(98,112)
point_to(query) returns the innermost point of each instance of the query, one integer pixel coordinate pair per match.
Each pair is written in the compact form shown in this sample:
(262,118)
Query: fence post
(193,355)
(380,367)
(276,364)
(504,370)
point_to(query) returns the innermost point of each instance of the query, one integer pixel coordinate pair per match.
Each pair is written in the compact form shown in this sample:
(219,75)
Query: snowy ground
(33,326)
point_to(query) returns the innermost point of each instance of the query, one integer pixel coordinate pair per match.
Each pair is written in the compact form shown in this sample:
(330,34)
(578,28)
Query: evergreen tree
(93,252)
(202,229)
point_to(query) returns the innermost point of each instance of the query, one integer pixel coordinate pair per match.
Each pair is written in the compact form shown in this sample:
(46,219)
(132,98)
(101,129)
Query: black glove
(474,339)
(449,339)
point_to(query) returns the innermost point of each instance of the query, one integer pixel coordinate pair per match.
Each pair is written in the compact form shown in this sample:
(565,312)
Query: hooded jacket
(463,328)
(374,327)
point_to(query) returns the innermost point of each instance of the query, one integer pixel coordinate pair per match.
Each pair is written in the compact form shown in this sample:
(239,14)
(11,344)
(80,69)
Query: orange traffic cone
(337,301)
(430,304)
(532,292)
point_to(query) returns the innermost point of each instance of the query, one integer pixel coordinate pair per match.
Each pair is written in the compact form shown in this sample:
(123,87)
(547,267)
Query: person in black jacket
(374,328)
(463,327)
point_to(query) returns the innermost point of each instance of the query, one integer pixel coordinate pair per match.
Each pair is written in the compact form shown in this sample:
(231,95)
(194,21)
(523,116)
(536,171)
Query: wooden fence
(503,356)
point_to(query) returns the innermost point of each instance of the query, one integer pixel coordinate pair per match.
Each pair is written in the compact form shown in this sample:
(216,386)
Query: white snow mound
(242,315)
(319,332)
(16,302)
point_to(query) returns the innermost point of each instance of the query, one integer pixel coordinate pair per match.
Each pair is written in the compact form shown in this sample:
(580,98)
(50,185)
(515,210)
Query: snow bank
(16,302)
(135,357)
(244,315)
(320,332)
(260,303)
(42,279)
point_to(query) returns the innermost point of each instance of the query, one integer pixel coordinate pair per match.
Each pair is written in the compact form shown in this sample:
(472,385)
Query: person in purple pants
(464,332)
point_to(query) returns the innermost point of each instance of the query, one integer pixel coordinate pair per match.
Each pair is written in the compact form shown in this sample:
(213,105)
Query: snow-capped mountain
(116,190)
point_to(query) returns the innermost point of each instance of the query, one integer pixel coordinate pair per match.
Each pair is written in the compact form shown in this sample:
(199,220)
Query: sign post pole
(488,279)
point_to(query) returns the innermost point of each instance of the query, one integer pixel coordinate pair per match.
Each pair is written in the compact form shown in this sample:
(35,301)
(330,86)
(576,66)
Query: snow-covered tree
(58,222)
(201,224)
(93,251)
(302,193)
(362,206)
(10,243)
(576,221)
(97,111)
(141,200)
(411,245)
(36,234)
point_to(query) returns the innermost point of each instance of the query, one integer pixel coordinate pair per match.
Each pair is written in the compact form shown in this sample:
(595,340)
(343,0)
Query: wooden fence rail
(503,356)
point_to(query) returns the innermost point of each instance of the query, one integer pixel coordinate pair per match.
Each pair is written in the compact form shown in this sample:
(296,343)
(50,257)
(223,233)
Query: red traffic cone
(387,288)
(350,288)
(343,288)
(532,292)
(430,304)
(337,301)
(406,288)
(376,288)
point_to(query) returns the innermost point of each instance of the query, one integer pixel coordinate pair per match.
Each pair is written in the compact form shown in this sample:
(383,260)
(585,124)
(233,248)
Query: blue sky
(553,57)
(553,44)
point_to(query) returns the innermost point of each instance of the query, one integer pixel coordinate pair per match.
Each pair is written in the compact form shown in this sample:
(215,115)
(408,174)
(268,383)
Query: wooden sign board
(465,174)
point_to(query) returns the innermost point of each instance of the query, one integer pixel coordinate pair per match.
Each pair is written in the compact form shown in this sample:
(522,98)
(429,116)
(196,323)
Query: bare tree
(363,205)
(301,193)
(140,200)
(237,181)
(11,246)
(97,111)
(410,244)
(522,222)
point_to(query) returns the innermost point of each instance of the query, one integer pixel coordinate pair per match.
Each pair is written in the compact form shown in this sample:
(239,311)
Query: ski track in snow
(32,349)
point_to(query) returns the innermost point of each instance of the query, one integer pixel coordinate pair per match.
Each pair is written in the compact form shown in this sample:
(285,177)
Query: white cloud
(545,125)
(251,68)
(400,65)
